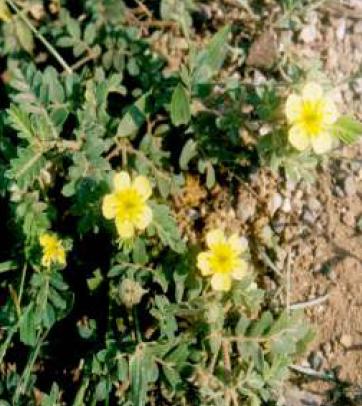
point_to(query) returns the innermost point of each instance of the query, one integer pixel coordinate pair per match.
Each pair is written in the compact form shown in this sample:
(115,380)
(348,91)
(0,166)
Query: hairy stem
(41,38)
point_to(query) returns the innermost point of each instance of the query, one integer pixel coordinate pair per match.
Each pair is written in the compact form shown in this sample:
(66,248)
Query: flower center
(129,204)
(312,118)
(222,259)
(53,250)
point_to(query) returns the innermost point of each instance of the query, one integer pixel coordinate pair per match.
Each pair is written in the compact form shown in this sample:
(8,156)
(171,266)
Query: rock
(350,188)
(341,29)
(349,219)
(296,397)
(314,204)
(274,203)
(339,192)
(357,29)
(287,206)
(246,206)
(290,185)
(263,52)
(266,235)
(316,360)
(346,340)
(308,34)
(309,216)
(327,350)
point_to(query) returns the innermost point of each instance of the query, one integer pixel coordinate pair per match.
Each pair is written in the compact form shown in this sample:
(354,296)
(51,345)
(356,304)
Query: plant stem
(24,379)
(41,38)
(137,324)
(21,289)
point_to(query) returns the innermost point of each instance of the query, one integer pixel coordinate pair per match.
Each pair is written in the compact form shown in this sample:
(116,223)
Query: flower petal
(221,282)
(61,257)
(238,244)
(125,228)
(203,263)
(312,92)
(121,181)
(240,270)
(109,206)
(298,138)
(215,237)
(45,261)
(322,143)
(330,112)
(293,107)
(143,186)
(45,239)
(145,218)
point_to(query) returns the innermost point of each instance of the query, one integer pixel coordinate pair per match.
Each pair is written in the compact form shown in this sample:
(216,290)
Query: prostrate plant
(96,278)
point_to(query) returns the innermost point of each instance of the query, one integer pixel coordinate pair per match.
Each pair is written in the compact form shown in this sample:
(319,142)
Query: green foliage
(348,129)
(131,321)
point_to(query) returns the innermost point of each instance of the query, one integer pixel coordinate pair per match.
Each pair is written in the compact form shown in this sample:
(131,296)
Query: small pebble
(308,34)
(309,217)
(349,186)
(274,203)
(314,204)
(346,340)
(349,219)
(287,206)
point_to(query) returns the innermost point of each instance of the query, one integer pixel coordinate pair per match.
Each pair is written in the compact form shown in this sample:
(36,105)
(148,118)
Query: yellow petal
(144,220)
(322,143)
(293,107)
(61,257)
(143,186)
(312,92)
(238,244)
(330,112)
(5,14)
(240,270)
(125,228)
(45,261)
(221,282)
(44,239)
(121,181)
(298,138)
(109,206)
(215,237)
(203,263)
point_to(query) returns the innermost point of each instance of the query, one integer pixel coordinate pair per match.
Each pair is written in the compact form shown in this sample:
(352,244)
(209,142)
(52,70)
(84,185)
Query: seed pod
(130,293)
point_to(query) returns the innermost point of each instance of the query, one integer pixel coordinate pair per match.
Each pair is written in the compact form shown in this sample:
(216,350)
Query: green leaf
(166,227)
(134,118)
(261,326)
(25,36)
(139,368)
(210,176)
(180,106)
(189,151)
(171,375)
(139,253)
(95,281)
(25,169)
(20,121)
(7,266)
(209,61)
(347,129)
(28,327)
(163,312)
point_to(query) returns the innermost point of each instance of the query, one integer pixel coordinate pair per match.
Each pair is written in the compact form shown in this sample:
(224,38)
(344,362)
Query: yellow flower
(53,250)
(223,259)
(5,14)
(311,116)
(127,204)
